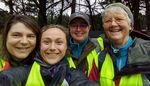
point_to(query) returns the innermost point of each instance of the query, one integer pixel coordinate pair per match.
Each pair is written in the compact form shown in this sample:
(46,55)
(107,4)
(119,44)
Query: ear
(130,29)
(89,27)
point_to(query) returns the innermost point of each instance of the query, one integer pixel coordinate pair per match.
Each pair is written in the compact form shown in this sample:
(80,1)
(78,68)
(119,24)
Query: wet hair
(62,28)
(28,22)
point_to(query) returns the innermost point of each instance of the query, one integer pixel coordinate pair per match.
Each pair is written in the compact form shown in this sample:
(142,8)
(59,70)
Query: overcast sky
(2,6)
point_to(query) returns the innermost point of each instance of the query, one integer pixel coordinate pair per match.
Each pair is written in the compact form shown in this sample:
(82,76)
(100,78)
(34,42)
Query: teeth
(79,34)
(115,30)
(22,49)
(50,55)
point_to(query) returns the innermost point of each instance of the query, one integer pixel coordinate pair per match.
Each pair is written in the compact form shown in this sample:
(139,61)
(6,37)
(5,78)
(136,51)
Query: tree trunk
(148,13)
(118,0)
(59,20)
(73,6)
(42,19)
(10,4)
(91,18)
(135,4)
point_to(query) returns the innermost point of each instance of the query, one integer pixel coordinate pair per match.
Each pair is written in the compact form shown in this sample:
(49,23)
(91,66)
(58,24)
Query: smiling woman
(20,41)
(125,55)
(53,46)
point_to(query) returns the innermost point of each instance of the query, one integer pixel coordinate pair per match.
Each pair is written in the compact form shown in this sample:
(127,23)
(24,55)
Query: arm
(13,77)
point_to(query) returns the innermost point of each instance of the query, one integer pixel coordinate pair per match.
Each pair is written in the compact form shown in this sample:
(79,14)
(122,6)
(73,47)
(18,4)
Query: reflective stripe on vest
(107,73)
(1,64)
(71,63)
(4,65)
(35,77)
(92,56)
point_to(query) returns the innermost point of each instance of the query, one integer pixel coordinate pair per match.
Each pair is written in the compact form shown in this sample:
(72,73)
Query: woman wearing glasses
(82,50)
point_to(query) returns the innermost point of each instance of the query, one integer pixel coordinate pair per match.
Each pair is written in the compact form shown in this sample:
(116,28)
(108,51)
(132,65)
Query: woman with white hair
(124,59)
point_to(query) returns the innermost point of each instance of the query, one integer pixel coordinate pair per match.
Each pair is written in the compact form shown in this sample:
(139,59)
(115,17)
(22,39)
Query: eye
(16,35)
(59,42)
(46,42)
(107,20)
(119,19)
(31,36)
(83,25)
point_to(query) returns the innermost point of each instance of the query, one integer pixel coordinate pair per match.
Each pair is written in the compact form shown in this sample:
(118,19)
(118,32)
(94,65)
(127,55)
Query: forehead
(20,27)
(54,32)
(115,11)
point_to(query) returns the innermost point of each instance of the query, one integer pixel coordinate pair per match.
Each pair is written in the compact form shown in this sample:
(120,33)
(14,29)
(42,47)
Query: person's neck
(120,43)
(79,42)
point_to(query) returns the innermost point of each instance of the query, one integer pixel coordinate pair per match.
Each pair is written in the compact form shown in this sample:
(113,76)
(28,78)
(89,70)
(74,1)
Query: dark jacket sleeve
(13,77)
(78,79)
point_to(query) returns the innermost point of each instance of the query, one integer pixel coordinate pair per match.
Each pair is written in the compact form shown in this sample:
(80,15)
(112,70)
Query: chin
(52,62)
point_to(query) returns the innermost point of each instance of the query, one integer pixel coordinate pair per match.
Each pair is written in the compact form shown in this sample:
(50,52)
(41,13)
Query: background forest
(58,11)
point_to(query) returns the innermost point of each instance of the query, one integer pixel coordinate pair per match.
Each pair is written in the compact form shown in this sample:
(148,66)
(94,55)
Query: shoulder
(99,42)
(78,79)
(140,40)
(13,76)
(73,74)
(142,43)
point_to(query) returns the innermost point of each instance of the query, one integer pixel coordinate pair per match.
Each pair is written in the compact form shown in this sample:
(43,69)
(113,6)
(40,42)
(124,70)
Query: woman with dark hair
(20,41)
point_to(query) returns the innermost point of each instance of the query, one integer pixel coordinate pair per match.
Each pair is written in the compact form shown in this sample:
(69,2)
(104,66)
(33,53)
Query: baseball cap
(81,15)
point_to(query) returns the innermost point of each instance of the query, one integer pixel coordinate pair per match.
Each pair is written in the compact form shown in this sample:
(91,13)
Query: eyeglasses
(81,26)
(117,20)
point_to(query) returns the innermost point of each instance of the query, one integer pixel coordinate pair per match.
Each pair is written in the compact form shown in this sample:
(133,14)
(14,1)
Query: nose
(52,47)
(78,28)
(24,40)
(114,23)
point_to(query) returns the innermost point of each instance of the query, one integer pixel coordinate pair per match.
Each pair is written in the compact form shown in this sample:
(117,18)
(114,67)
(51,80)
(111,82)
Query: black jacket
(53,75)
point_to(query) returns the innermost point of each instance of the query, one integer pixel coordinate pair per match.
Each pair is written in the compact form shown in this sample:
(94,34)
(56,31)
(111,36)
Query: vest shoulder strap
(70,61)
(102,52)
(94,40)
(101,58)
(35,76)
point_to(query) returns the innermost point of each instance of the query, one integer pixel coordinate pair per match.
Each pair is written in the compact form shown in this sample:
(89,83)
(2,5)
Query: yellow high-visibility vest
(107,73)
(1,64)
(35,78)
(107,70)
(92,56)
(4,64)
